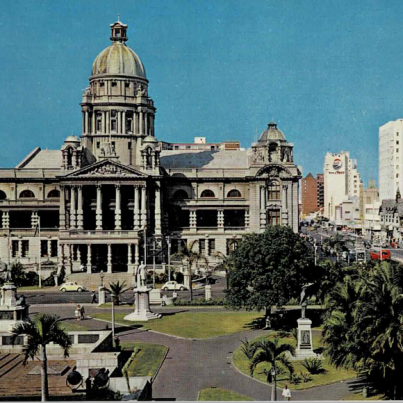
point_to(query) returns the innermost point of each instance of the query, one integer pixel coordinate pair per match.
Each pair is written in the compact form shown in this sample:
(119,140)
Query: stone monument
(304,343)
(12,310)
(142,312)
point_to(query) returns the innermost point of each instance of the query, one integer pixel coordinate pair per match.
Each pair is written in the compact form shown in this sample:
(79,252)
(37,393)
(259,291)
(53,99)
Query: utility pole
(169,257)
(40,252)
(113,318)
(154,264)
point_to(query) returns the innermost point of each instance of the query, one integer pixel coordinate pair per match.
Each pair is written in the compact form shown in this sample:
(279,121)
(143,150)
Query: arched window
(149,158)
(54,193)
(232,245)
(207,193)
(274,190)
(3,196)
(234,193)
(27,194)
(181,194)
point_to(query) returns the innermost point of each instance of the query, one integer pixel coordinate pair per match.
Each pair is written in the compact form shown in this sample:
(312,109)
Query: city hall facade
(101,194)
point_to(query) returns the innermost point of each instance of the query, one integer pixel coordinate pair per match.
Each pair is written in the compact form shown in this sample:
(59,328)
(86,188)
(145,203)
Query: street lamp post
(154,264)
(274,387)
(113,318)
(169,258)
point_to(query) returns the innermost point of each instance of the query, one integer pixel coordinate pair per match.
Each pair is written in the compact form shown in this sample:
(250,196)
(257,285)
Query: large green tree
(269,269)
(42,331)
(364,325)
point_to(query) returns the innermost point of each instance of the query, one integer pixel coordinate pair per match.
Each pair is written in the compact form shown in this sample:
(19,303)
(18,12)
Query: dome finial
(118,17)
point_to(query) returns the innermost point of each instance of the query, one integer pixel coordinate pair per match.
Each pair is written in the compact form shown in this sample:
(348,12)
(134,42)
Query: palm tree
(249,349)
(225,264)
(275,355)
(117,290)
(42,331)
(191,257)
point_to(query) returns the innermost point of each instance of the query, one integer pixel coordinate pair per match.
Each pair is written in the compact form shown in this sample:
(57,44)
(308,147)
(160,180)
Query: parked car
(383,254)
(173,286)
(71,286)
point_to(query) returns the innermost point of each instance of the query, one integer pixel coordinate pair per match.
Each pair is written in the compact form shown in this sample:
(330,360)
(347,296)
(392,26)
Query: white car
(173,286)
(71,286)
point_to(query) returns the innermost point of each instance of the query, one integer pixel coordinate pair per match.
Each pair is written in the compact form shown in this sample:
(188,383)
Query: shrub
(306,377)
(50,281)
(295,379)
(31,278)
(199,302)
(313,365)
(179,277)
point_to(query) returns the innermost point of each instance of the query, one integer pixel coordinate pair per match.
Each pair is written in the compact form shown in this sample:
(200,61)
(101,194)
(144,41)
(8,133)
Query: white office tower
(390,159)
(341,181)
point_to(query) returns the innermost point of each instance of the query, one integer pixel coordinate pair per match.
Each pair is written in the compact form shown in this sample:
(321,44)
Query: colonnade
(76,218)
(140,122)
(70,253)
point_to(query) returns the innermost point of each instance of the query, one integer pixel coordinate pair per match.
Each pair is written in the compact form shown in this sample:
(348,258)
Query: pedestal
(186,279)
(208,292)
(142,312)
(304,343)
(101,295)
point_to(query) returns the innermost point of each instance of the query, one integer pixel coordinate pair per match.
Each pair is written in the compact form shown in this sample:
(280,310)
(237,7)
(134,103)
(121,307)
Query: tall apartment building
(390,159)
(312,193)
(341,181)
(321,190)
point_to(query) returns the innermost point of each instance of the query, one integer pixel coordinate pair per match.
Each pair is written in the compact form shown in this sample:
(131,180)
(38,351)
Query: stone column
(152,125)
(93,122)
(141,122)
(158,209)
(108,122)
(284,205)
(62,211)
(5,220)
(135,123)
(89,257)
(136,224)
(103,122)
(109,265)
(124,122)
(86,121)
(143,207)
(20,248)
(118,212)
(80,217)
(69,260)
(119,119)
(60,257)
(129,258)
(136,255)
(79,255)
(247,219)
(73,211)
(49,248)
(262,207)
(99,208)
(146,123)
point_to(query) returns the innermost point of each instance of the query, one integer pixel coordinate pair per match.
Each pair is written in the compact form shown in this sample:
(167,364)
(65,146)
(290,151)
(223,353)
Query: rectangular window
(202,246)
(102,84)
(114,83)
(44,248)
(99,125)
(211,247)
(397,175)
(14,248)
(127,85)
(129,145)
(54,247)
(98,144)
(274,217)
(25,248)
(397,142)
(114,125)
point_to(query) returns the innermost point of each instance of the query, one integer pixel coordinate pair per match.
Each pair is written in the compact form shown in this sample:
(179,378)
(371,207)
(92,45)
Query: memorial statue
(303,301)
(142,275)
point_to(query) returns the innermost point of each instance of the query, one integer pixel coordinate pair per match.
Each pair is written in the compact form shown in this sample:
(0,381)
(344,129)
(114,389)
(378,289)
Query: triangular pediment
(106,168)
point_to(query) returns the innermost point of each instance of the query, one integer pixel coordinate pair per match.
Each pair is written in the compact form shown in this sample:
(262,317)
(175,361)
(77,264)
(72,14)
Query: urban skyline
(228,69)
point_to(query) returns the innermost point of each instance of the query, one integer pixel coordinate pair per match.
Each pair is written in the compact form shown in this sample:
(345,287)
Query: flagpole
(40,247)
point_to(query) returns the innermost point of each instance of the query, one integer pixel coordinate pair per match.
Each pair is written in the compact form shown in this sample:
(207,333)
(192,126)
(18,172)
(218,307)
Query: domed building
(103,198)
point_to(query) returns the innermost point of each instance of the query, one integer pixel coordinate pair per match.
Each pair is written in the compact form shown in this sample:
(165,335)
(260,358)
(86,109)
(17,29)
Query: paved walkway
(192,365)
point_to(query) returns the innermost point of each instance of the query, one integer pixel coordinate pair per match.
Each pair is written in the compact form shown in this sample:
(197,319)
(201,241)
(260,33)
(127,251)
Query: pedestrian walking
(286,393)
(77,312)
(94,297)
(82,313)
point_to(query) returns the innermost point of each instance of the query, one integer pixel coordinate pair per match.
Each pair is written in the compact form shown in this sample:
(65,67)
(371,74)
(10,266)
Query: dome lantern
(118,32)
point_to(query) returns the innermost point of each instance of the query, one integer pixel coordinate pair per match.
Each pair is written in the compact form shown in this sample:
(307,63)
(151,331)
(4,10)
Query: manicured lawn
(330,375)
(192,324)
(147,360)
(217,394)
(72,327)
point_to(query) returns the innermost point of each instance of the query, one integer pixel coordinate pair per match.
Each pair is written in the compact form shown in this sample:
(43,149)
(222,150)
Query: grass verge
(147,360)
(331,374)
(218,394)
(191,324)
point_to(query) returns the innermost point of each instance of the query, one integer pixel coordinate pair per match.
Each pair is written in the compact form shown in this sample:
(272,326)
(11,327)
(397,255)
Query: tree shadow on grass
(173,313)
(256,324)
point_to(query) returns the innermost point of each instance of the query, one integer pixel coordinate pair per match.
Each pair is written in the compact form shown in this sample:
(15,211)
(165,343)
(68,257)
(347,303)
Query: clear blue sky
(329,72)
